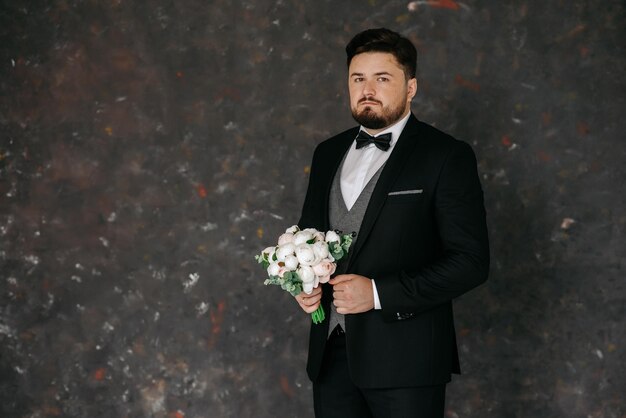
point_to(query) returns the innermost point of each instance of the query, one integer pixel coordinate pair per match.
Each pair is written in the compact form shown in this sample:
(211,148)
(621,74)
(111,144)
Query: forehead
(374,62)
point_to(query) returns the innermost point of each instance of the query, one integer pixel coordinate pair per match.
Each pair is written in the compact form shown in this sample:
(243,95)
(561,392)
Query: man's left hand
(352,293)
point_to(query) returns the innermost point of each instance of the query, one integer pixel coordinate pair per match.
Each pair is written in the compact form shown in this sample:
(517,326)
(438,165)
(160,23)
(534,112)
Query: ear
(411,89)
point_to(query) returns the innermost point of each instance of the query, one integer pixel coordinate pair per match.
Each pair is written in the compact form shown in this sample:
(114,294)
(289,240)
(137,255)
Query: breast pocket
(404,196)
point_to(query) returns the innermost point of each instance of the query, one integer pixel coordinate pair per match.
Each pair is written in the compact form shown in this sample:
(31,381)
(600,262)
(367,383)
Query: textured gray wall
(150,148)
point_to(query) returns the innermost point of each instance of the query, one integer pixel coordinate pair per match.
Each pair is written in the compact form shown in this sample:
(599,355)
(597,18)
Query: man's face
(380,94)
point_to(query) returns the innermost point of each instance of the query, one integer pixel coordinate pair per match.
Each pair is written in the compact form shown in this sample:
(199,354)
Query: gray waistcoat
(346,221)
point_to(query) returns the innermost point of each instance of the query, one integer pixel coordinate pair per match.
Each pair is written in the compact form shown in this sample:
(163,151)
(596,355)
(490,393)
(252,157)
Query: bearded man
(412,193)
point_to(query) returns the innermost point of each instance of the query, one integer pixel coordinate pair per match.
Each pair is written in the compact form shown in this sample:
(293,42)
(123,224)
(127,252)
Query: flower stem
(319,315)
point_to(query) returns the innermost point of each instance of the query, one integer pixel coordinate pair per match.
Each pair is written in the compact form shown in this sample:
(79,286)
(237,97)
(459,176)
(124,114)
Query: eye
(357,79)
(383,79)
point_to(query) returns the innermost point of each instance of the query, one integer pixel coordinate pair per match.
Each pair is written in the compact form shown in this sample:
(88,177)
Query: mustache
(369,99)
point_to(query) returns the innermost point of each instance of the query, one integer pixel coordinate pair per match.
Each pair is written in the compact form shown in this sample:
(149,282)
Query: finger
(316,291)
(304,295)
(340,303)
(312,308)
(340,295)
(340,279)
(343,310)
(310,300)
(304,306)
(344,287)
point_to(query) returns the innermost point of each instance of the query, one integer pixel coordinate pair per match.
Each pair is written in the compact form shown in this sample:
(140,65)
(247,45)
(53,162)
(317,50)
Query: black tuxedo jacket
(423,240)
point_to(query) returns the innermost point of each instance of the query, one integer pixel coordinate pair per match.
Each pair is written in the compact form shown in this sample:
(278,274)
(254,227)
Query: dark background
(150,148)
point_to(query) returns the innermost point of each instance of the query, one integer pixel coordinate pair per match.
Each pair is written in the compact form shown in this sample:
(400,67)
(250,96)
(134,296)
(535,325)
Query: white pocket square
(414,191)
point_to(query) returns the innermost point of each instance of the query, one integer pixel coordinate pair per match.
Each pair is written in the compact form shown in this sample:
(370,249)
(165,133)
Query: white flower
(273,269)
(315,233)
(321,249)
(292,229)
(306,274)
(324,269)
(308,287)
(302,237)
(285,250)
(285,238)
(268,253)
(319,236)
(306,255)
(309,280)
(291,262)
(332,236)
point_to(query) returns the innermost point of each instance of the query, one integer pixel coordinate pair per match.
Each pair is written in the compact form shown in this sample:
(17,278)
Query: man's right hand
(309,303)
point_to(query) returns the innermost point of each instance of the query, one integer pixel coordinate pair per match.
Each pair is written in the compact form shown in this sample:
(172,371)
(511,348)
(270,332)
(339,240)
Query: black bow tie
(381,141)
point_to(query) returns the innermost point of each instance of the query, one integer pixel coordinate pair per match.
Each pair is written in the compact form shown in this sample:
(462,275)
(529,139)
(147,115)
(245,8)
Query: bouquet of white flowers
(303,259)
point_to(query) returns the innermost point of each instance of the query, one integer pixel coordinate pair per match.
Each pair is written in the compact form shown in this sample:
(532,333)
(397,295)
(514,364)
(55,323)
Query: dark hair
(385,40)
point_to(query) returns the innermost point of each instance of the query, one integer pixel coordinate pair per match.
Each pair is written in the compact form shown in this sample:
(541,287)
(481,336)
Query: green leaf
(273,280)
(346,241)
(338,254)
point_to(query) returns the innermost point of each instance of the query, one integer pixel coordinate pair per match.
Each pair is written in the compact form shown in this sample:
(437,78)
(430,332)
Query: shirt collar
(395,129)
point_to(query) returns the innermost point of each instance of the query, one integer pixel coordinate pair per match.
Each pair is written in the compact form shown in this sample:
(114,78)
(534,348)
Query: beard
(371,120)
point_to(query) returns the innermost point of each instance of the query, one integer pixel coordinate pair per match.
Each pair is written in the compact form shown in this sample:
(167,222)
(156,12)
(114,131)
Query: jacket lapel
(401,151)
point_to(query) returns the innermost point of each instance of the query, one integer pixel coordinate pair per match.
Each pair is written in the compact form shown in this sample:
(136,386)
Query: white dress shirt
(360,166)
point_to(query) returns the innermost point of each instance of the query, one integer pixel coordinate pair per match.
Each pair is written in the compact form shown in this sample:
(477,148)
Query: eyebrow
(376,74)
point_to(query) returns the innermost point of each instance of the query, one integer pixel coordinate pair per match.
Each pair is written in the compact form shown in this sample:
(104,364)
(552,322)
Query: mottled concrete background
(150,148)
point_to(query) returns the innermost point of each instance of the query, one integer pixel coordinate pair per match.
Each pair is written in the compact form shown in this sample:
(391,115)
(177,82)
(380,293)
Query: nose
(369,89)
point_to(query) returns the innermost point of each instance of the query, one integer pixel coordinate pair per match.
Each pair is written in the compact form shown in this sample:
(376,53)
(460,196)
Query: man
(412,194)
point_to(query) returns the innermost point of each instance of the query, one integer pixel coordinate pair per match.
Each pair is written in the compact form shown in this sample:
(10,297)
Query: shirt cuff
(376,299)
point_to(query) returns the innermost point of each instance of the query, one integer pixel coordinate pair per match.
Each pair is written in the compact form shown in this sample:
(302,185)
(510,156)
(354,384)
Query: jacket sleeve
(461,224)
(309,217)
